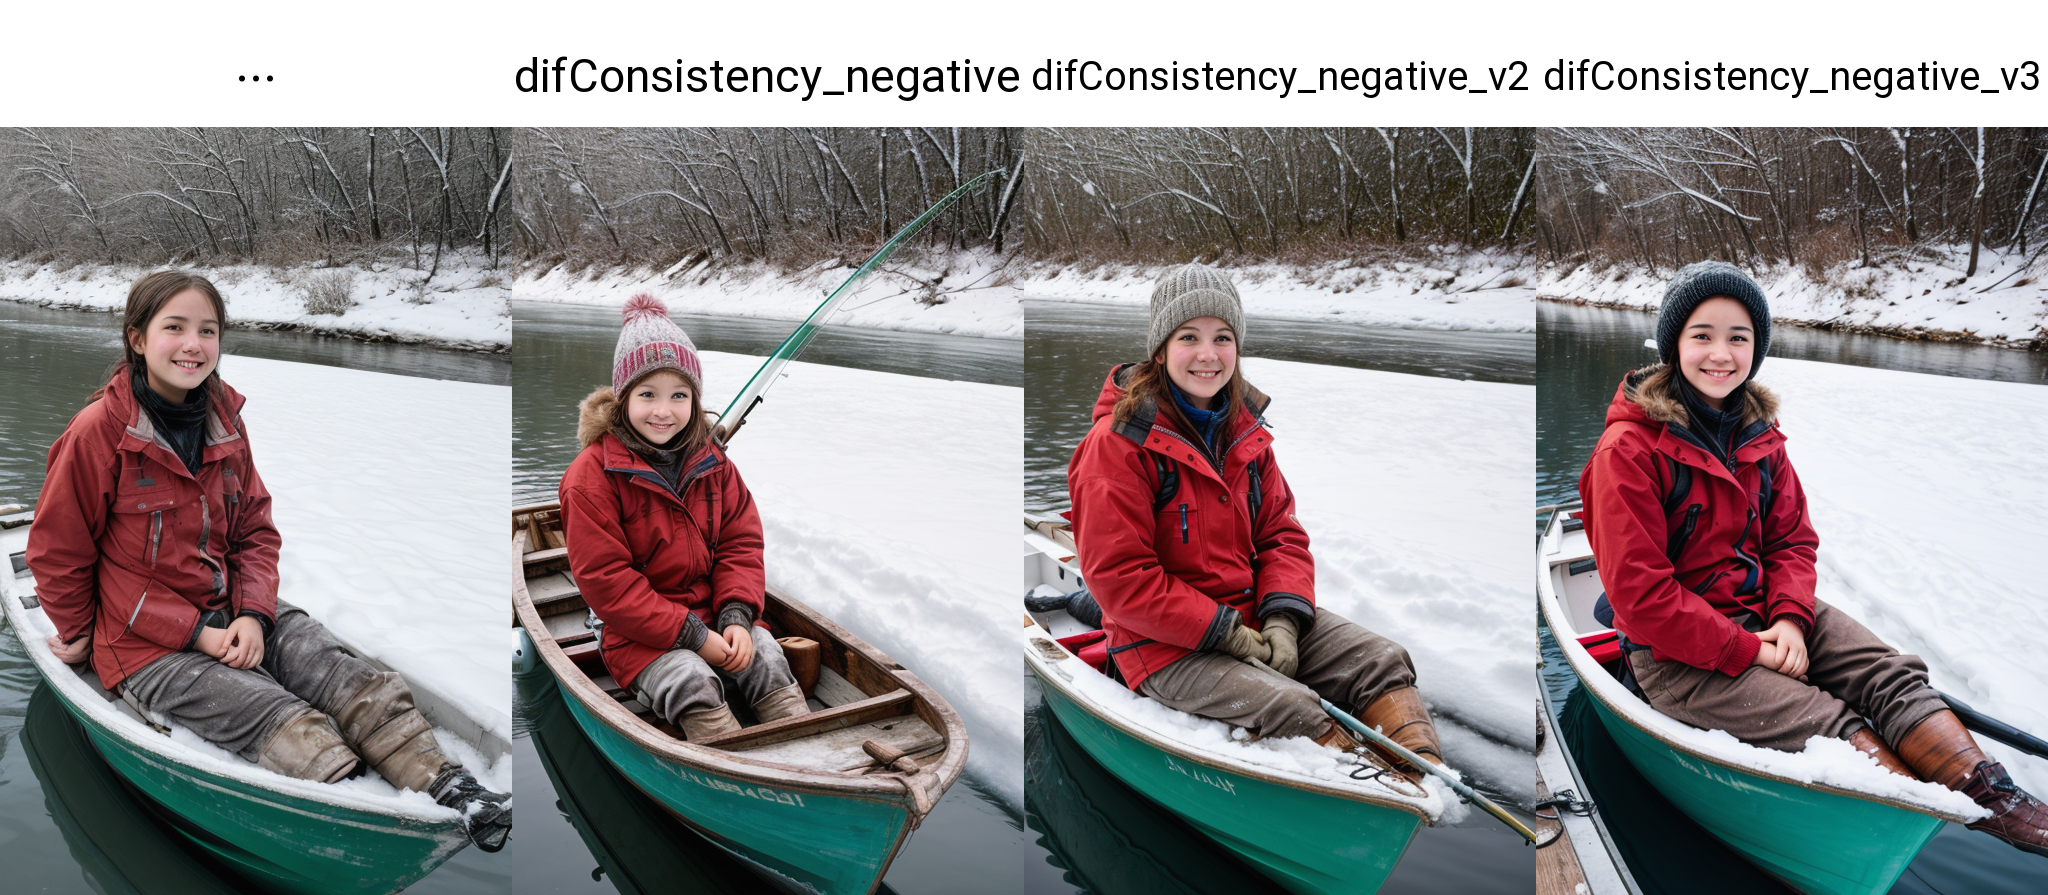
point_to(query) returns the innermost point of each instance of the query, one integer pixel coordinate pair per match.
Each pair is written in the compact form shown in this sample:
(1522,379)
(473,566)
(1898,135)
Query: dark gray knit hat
(1702,280)
(1190,291)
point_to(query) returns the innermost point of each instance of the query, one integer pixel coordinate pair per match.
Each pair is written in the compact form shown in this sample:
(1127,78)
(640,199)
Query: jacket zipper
(138,607)
(156,533)
(1677,545)
(1183,523)
(1755,568)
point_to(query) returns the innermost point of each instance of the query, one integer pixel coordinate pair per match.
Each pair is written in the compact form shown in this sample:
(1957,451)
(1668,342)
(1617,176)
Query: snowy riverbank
(396,545)
(1928,496)
(1414,490)
(461,308)
(898,526)
(1440,289)
(1916,298)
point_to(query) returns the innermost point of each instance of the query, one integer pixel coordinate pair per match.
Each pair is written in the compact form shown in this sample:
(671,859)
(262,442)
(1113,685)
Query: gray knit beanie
(650,341)
(1190,291)
(1702,280)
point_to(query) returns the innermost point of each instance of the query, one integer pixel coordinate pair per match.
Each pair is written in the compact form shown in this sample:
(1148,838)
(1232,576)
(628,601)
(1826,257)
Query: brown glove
(1280,635)
(1246,643)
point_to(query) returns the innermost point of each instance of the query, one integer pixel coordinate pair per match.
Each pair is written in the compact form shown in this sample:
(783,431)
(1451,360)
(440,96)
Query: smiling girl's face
(661,406)
(180,346)
(1717,348)
(1199,358)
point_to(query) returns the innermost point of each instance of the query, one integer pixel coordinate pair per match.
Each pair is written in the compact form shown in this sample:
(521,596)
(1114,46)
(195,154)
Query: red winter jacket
(1173,580)
(1736,550)
(645,561)
(132,547)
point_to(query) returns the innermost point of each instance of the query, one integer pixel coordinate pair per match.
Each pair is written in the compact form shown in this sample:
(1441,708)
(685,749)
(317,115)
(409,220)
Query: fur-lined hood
(594,416)
(1650,389)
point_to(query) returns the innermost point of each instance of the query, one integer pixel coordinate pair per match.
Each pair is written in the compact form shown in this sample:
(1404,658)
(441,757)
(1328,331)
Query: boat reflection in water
(117,843)
(1109,838)
(639,846)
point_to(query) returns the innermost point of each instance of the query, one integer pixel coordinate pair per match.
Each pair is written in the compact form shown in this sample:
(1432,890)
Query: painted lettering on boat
(1201,775)
(759,792)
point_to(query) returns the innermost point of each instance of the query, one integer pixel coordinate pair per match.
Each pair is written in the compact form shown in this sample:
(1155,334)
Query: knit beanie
(1702,280)
(649,341)
(1190,291)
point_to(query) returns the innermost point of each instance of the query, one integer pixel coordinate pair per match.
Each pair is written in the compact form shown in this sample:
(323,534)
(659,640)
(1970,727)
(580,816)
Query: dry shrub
(330,291)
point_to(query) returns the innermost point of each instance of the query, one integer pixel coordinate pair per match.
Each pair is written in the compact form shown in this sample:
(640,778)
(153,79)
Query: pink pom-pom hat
(649,341)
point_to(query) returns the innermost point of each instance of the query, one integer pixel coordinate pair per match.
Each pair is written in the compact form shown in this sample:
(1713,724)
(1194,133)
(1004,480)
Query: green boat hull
(806,841)
(1818,842)
(285,843)
(1310,842)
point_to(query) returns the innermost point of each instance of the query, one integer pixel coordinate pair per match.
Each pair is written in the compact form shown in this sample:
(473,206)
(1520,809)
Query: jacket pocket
(1179,523)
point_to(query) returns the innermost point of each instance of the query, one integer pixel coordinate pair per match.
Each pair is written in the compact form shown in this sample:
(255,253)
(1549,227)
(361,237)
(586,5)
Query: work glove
(1280,635)
(1246,643)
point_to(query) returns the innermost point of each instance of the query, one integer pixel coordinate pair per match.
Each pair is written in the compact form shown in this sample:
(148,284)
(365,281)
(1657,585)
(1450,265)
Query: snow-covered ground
(2003,304)
(890,505)
(393,497)
(1932,509)
(461,308)
(972,304)
(1447,289)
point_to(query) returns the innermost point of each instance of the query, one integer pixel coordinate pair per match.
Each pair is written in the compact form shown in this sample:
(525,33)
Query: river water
(1582,354)
(576,845)
(1090,832)
(66,825)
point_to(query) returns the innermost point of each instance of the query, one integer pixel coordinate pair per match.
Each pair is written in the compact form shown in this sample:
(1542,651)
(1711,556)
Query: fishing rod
(749,397)
(1996,729)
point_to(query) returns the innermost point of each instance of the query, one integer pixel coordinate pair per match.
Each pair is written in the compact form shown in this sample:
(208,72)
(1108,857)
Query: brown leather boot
(308,748)
(1941,750)
(1338,738)
(705,723)
(1399,714)
(383,725)
(787,702)
(1867,742)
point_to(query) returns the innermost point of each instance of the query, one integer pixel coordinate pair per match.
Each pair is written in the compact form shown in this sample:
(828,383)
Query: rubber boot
(1867,742)
(308,748)
(706,723)
(1940,749)
(803,656)
(787,702)
(486,815)
(385,728)
(1399,714)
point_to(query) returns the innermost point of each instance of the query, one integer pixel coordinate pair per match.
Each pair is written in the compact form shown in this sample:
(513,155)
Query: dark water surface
(1090,832)
(970,841)
(55,804)
(564,351)
(1582,354)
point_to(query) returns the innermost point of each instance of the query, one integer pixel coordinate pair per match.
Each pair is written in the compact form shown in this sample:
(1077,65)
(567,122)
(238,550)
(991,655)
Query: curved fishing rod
(749,396)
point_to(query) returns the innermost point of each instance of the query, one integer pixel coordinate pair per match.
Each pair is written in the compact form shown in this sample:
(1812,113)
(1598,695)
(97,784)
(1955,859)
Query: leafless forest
(1660,197)
(654,197)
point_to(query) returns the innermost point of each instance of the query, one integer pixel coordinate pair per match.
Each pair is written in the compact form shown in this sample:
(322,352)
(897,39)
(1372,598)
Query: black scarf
(183,426)
(1717,428)
(667,459)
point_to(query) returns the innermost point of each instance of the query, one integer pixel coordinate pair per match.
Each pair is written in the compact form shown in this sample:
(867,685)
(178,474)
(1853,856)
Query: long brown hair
(694,435)
(147,297)
(1149,380)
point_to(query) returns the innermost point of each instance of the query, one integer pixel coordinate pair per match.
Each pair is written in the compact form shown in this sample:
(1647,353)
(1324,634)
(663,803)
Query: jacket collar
(1642,399)
(223,422)
(1162,432)
(621,460)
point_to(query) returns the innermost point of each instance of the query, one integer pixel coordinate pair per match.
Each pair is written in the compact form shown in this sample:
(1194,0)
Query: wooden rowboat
(1818,838)
(804,800)
(1313,835)
(285,835)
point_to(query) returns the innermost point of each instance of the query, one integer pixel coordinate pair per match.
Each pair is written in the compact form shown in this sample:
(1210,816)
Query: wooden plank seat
(873,708)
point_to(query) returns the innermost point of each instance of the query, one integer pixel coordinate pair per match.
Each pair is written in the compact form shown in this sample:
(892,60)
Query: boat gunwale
(102,714)
(1041,668)
(1576,656)
(934,779)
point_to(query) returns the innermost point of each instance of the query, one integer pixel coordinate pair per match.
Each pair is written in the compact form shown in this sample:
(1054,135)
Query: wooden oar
(1450,779)
(1996,729)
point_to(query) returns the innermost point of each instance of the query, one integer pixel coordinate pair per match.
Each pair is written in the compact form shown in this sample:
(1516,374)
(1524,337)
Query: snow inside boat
(287,835)
(1289,808)
(1824,825)
(820,802)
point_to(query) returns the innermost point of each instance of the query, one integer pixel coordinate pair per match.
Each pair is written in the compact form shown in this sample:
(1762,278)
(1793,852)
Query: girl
(1189,543)
(157,561)
(1700,528)
(665,543)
